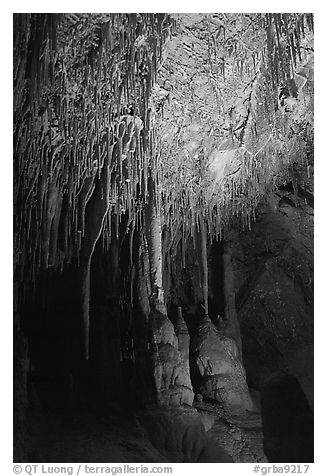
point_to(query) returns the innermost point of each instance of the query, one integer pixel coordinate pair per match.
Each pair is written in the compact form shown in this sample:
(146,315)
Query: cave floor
(119,438)
(241,437)
(239,434)
(88,438)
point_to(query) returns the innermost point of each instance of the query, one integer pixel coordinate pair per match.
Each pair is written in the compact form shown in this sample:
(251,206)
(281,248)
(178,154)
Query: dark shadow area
(288,426)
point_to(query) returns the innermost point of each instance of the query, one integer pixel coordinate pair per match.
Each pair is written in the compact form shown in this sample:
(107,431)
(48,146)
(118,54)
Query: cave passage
(163,237)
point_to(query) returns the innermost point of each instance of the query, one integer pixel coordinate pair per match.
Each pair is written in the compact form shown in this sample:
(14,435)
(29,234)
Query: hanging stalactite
(259,156)
(81,105)
(67,94)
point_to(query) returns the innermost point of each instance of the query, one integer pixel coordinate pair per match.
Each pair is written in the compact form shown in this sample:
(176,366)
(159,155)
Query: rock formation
(163,218)
(221,373)
(171,371)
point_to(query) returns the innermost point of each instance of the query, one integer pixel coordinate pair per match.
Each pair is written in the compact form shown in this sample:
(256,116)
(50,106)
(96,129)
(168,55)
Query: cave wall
(273,266)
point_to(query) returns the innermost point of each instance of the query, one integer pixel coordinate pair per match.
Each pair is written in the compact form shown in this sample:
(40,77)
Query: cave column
(154,239)
(171,376)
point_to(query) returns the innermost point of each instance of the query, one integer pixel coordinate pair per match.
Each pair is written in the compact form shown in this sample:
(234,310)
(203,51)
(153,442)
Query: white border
(6,189)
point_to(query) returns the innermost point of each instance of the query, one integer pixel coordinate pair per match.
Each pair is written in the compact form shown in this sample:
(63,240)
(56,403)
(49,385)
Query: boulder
(221,375)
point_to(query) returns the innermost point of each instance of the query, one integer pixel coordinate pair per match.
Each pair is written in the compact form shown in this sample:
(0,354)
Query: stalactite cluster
(99,121)
(218,166)
(82,133)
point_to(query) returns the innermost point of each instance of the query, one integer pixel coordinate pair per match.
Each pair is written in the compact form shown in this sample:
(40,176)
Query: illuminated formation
(142,143)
